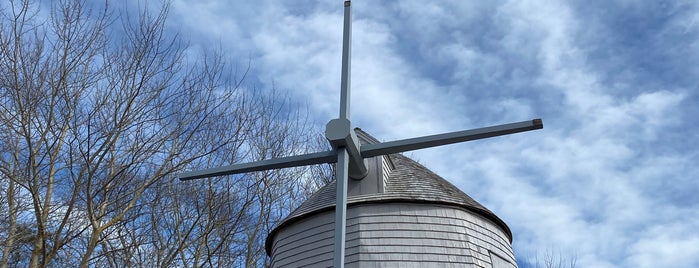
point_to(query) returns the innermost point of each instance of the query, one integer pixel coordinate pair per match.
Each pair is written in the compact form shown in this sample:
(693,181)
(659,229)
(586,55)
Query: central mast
(342,156)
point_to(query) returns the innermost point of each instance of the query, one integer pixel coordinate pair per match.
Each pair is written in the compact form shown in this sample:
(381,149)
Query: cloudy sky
(613,176)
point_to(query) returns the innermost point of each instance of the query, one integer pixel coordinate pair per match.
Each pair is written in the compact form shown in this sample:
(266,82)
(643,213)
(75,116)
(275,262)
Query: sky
(612,177)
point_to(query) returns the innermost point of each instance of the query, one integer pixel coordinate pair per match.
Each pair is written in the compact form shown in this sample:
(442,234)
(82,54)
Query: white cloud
(667,245)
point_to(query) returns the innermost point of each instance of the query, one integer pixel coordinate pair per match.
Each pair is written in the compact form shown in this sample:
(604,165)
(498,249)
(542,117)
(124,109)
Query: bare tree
(40,88)
(550,259)
(98,112)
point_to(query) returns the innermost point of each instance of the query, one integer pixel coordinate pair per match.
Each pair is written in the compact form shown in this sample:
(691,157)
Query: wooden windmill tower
(398,214)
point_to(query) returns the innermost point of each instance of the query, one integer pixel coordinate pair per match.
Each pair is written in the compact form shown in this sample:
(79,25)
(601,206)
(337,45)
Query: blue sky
(611,179)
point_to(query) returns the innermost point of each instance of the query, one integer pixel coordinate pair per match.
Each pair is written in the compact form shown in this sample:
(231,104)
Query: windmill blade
(398,146)
(275,163)
(368,150)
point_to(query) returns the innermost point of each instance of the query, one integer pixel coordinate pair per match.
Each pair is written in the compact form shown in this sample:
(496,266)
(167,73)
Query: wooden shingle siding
(307,243)
(395,235)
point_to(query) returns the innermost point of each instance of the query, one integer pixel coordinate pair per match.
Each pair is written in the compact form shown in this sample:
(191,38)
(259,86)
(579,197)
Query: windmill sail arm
(275,163)
(370,150)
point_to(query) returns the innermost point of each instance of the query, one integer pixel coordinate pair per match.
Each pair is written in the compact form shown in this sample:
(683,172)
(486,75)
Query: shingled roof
(409,182)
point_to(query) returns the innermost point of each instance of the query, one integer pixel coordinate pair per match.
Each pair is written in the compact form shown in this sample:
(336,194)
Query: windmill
(348,153)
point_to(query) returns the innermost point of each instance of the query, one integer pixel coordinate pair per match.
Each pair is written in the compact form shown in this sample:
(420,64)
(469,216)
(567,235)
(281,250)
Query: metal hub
(340,134)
